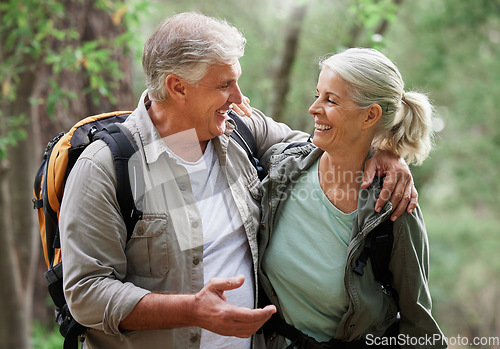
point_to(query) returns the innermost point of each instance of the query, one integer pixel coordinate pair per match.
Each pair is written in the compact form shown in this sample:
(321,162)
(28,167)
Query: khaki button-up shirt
(104,275)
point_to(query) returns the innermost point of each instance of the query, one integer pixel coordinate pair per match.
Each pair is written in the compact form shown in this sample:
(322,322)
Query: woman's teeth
(221,111)
(322,127)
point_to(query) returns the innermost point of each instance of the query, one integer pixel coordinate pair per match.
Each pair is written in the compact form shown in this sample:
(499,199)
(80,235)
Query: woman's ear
(175,86)
(372,115)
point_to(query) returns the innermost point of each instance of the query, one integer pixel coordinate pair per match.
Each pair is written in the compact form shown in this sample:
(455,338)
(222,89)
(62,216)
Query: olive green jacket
(371,311)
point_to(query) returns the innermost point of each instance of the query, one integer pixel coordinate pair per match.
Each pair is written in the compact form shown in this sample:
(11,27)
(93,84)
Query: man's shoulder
(96,154)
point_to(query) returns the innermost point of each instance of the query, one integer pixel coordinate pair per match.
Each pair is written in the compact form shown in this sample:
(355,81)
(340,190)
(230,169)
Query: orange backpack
(58,159)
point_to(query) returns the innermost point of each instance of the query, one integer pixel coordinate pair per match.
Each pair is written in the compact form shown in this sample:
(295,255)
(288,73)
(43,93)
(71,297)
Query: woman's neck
(340,177)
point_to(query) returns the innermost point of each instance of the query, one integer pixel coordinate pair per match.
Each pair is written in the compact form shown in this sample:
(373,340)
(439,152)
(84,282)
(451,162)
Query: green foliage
(465,269)
(449,49)
(23,28)
(33,33)
(11,132)
(44,337)
(370,13)
(453,55)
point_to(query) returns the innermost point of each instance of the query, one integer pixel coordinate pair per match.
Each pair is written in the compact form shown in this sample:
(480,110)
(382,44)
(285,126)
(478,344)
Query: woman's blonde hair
(405,127)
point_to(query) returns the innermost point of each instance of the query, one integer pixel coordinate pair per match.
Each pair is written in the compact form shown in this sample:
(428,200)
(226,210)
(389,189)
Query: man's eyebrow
(226,82)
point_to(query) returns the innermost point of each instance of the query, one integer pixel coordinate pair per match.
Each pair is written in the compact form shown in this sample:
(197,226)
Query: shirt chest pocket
(147,250)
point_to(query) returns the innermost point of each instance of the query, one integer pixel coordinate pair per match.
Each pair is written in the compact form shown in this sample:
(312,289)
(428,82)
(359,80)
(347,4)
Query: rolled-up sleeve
(93,239)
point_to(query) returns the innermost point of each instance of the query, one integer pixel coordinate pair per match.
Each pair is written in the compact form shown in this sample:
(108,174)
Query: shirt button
(194,224)
(196,260)
(182,187)
(193,338)
(262,226)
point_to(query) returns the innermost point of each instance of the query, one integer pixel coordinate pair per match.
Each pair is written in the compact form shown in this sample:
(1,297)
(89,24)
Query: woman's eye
(316,96)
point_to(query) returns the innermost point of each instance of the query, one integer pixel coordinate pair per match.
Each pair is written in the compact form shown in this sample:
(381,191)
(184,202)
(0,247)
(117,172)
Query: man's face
(208,102)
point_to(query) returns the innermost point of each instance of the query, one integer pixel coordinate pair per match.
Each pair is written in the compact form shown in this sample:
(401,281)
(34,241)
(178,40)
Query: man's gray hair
(187,44)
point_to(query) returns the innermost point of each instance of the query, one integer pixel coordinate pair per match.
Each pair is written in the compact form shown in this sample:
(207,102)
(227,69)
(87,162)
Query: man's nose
(236,96)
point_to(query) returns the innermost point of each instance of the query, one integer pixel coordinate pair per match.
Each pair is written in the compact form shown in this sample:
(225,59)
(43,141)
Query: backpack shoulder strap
(122,149)
(378,248)
(245,138)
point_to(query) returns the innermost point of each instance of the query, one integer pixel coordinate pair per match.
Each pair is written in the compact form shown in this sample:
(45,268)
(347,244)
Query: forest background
(63,60)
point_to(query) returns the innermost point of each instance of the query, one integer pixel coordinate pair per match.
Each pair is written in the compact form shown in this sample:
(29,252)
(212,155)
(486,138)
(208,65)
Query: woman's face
(337,118)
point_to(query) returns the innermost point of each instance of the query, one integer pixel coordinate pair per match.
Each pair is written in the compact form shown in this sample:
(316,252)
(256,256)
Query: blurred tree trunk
(18,253)
(281,77)
(14,319)
(22,264)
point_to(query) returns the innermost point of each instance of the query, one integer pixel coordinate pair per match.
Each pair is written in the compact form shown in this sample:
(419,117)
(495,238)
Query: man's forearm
(161,311)
(206,309)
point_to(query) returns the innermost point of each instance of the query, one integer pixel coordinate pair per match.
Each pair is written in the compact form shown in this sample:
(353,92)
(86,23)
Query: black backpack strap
(298,144)
(245,138)
(378,248)
(71,330)
(300,340)
(122,150)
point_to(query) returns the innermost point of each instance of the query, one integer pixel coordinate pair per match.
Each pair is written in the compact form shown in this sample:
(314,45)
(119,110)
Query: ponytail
(410,134)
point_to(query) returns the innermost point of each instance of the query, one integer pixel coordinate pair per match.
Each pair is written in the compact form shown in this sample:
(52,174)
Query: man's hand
(398,183)
(207,309)
(243,108)
(225,319)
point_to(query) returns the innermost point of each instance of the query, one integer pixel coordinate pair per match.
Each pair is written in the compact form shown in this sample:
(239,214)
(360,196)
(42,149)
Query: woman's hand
(398,183)
(243,108)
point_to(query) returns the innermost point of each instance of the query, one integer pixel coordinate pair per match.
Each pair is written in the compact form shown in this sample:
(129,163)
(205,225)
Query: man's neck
(183,143)
(187,151)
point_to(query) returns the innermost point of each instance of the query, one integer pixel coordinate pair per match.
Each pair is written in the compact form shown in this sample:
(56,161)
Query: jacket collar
(367,218)
(304,156)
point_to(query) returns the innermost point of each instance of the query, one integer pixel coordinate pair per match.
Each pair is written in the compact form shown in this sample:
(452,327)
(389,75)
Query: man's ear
(175,86)
(372,115)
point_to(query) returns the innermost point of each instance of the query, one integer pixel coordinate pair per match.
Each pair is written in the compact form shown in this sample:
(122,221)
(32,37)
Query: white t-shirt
(226,251)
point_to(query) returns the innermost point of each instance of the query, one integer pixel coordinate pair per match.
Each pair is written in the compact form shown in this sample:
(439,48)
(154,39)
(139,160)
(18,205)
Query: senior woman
(316,217)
